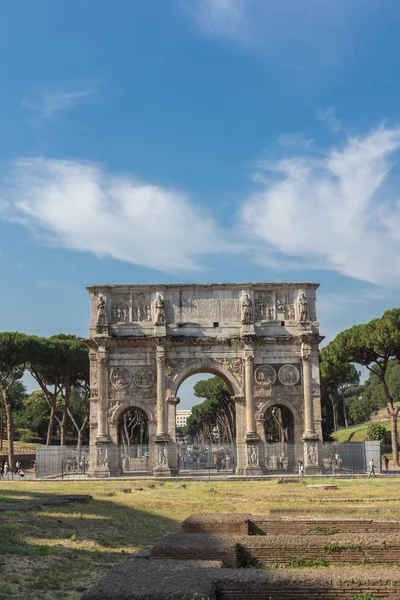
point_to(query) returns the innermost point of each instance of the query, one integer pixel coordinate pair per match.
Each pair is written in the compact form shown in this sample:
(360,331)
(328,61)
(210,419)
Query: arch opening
(279,427)
(207,441)
(133,438)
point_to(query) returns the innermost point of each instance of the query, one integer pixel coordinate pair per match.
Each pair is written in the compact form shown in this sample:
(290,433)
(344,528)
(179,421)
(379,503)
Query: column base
(162,471)
(252,471)
(314,470)
(162,437)
(99,472)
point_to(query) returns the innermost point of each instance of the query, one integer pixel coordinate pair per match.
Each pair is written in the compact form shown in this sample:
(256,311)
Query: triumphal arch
(260,338)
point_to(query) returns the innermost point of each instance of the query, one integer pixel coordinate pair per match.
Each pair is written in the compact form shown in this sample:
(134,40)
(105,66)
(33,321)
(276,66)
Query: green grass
(57,552)
(358,433)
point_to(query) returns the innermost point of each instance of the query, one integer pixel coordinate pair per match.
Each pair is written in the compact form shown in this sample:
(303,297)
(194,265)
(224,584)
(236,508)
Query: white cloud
(329,117)
(298,33)
(334,212)
(48,102)
(81,207)
(226,18)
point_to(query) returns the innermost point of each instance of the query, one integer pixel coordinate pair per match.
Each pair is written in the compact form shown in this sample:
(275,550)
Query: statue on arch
(247,309)
(160,310)
(101,311)
(303,308)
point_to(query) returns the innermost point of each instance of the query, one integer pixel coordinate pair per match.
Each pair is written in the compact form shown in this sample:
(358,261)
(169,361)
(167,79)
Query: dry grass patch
(55,553)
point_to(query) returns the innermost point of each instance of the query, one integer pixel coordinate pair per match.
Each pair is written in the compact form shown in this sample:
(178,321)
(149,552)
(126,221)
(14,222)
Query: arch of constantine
(260,338)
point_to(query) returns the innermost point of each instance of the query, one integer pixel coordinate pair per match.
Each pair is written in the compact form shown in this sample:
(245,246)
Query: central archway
(208,441)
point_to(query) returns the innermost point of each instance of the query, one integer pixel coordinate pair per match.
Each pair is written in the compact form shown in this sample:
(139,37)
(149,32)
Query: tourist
(6,469)
(301,470)
(372,468)
(18,469)
(386,461)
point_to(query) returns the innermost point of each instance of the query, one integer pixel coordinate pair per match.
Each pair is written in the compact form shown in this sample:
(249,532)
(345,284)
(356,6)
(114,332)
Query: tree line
(60,366)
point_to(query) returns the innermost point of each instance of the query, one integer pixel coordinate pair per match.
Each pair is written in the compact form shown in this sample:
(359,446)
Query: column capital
(305,352)
(160,355)
(173,400)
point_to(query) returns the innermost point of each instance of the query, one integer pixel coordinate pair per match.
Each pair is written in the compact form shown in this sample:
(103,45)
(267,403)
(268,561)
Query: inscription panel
(193,306)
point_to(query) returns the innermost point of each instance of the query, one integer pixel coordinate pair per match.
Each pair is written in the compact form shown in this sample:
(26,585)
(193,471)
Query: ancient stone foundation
(232,557)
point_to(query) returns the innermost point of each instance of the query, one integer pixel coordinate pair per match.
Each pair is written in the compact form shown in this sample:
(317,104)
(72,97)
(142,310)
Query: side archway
(132,429)
(279,425)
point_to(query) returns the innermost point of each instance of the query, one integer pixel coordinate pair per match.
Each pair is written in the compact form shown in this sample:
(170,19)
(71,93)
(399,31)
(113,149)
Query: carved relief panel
(141,308)
(264,309)
(285,305)
(120,309)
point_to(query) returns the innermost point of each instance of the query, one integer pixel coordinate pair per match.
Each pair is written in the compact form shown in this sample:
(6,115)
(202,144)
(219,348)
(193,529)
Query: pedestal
(252,467)
(162,468)
(248,329)
(313,457)
(101,466)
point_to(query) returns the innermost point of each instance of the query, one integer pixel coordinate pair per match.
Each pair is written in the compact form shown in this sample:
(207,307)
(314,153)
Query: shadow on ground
(57,552)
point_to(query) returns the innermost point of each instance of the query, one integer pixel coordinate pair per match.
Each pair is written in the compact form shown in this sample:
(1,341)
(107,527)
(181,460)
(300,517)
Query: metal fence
(204,460)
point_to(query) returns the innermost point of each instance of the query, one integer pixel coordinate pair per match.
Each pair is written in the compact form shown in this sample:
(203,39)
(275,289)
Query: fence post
(62,468)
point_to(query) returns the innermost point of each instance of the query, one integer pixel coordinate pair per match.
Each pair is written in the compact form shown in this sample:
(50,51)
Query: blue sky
(198,140)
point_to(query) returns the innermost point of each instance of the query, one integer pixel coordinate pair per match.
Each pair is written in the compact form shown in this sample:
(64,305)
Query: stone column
(172,402)
(252,439)
(100,458)
(161,412)
(313,460)
(250,414)
(102,375)
(162,468)
(309,427)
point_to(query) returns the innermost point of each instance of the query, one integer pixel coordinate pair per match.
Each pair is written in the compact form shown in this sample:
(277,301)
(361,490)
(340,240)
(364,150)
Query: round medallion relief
(144,377)
(120,377)
(288,375)
(265,375)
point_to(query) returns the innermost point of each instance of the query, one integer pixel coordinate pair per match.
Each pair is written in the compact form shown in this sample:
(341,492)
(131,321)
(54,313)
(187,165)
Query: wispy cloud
(299,33)
(329,117)
(49,101)
(82,207)
(50,284)
(335,211)
(220,18)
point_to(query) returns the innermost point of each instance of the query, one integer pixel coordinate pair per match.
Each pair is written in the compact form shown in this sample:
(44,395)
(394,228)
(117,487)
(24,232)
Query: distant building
(182,417)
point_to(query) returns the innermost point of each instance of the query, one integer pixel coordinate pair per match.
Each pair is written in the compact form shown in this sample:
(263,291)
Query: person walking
(6,469)
(301,470)
(372,468)
(386,461)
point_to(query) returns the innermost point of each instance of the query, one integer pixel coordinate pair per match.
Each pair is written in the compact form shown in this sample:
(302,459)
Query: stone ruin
(261,338)
(256,557)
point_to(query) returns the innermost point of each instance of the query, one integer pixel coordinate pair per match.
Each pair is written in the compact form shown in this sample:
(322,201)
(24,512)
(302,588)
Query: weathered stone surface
(203,546)
(260,338)
(141,579)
